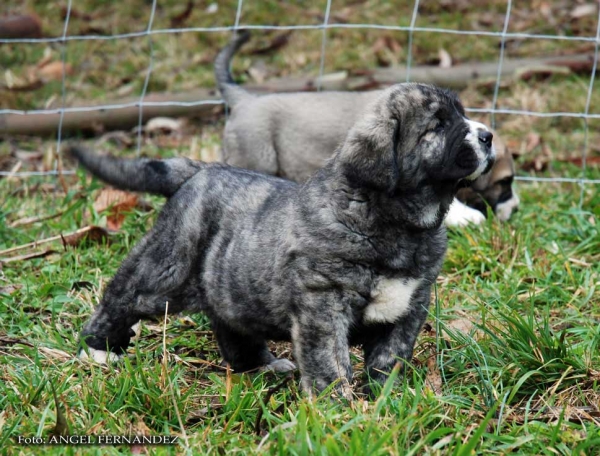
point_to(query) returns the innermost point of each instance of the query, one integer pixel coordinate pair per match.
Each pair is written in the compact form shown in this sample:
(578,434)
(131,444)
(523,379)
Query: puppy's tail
(230,91)
(161,177)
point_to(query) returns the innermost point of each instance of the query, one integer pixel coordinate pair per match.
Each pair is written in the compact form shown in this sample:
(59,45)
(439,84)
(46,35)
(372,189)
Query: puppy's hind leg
(244,352)
(141,287)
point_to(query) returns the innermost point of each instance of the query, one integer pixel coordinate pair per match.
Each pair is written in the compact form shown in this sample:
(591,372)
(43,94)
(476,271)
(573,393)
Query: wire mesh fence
(329,24)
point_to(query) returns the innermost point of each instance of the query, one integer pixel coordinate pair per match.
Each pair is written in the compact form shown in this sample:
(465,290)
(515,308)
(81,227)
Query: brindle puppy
(347,258)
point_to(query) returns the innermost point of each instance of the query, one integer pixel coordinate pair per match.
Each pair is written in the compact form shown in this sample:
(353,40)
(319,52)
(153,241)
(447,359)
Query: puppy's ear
(369,156)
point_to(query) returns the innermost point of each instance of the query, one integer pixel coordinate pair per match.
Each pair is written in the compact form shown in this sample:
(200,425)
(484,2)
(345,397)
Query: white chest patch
(390,300)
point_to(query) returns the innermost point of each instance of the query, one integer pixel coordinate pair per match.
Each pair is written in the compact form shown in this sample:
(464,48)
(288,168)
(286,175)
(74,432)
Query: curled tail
(230,91)
(162,177)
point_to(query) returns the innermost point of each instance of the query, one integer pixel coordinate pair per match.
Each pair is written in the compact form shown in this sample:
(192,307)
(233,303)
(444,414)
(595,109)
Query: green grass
(509,361)
(521,376)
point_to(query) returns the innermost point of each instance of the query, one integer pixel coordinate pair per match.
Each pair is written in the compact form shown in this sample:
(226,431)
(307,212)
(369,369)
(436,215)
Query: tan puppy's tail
(230,91)
(161,177)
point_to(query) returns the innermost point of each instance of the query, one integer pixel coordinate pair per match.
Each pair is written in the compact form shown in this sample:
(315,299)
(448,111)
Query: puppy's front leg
(245,352)
(390,343)
(320,340)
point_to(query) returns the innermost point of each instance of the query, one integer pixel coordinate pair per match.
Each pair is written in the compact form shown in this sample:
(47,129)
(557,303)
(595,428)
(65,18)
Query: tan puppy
(293,134)
(495,188)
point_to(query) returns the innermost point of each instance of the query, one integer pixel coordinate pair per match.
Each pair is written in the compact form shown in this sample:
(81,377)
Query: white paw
(461,215)
(280,365)
(99,356)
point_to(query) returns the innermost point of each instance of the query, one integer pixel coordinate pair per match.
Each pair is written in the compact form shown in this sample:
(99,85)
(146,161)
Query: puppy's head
(416,140)
(494,189)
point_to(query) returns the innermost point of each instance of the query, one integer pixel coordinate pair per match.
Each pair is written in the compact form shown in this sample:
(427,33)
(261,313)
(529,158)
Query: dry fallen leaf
(2,419)
(9,289)
(278,41)
(445,59)
(461,324)
(545,10)
(54,71)
(259,71)
(21,84)
(119,202)
(163,125)
(433,378)
(590,161)
(179,19)
(28,156)
(120,138)
(541,161)
(587,9)
(89,233)
(187,321)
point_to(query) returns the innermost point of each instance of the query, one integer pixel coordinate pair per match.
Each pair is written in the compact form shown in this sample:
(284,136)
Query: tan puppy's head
(494,189)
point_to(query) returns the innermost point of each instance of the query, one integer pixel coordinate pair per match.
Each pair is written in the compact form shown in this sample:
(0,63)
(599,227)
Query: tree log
(456,77)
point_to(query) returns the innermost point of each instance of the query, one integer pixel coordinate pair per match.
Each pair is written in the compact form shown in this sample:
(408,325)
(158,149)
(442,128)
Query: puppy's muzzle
(485,139)
(480,139)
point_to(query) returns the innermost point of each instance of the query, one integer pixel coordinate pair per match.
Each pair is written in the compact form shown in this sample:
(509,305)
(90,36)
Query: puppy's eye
(507,181)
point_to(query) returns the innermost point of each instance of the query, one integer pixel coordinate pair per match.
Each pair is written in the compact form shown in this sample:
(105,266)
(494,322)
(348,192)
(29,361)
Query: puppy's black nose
(485,137)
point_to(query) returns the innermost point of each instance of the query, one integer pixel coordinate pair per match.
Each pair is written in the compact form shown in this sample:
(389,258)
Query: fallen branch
(14,341)
(28,256)
(69,239)
(456,77)
(30,220)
